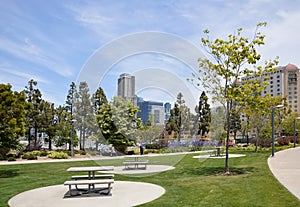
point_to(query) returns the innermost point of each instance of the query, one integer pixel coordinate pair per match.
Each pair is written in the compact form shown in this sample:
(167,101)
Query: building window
(295,92)
(295,101)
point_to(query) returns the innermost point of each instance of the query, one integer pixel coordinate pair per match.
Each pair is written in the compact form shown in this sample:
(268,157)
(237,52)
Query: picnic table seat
(89,183)
(107,176)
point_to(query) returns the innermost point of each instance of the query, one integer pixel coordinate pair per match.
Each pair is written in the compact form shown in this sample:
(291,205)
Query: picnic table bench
(89,183)
(78,177)
(135,164)
(217,152)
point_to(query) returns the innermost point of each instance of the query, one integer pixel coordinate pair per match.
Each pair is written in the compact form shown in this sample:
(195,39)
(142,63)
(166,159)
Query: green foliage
(83,113)
(30,155)
(11,159)
(180,118)
(34,110)
(203,115)
(58,155)
(221,74)
(12,113)
(118,123)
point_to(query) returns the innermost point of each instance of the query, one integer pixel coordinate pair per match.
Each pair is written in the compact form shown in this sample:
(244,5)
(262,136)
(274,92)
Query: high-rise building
(126,87)
(151,111)
(167,111)
(284,82)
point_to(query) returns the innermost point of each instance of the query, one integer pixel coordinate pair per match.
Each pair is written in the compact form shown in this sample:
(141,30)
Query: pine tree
(203,115)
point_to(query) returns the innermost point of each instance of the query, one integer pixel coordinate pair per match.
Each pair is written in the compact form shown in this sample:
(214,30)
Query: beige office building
(284,82)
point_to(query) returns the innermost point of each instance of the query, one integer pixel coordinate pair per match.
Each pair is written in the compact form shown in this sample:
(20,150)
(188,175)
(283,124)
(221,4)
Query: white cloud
(282,38)
(23,75)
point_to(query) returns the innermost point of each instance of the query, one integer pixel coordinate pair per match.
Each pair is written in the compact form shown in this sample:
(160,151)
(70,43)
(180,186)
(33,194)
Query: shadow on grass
(9,173)
(217,171)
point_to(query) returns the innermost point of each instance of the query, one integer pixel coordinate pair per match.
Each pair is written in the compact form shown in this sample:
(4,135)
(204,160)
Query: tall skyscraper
(126,87)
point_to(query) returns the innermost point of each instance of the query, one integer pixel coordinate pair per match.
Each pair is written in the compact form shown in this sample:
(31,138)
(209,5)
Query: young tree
(203,115)
(221,73)
(259,113)
(12,113)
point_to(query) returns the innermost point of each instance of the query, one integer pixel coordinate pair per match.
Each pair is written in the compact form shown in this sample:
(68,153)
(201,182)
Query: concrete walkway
(285,166)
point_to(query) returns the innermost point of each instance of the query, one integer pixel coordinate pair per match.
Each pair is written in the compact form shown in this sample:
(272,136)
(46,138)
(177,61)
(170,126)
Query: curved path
(285,166)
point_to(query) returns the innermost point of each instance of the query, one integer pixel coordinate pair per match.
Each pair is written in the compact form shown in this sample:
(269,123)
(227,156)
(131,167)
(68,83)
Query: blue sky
(52,42)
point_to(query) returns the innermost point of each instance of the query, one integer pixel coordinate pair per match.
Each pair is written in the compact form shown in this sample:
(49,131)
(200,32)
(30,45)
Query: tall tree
(229,61)
(69,115)
(98,99)
(12,113)
(33,113)
(50,121)
(84,113)
(203,115)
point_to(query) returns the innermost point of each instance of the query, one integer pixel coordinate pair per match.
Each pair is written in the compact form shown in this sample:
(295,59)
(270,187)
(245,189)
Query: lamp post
(295,126)
(273,140)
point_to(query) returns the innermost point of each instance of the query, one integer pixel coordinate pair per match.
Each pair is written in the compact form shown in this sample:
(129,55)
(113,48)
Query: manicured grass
(192,183)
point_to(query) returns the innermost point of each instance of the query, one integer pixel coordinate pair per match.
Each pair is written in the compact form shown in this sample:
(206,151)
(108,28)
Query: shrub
(44,153)
(81,152)
(130,152)
(266,142)
(58,155)
(283,141)
(12,154)
(11,159)
(30,156)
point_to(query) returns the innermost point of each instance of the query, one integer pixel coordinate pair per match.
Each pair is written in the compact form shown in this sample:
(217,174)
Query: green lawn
(192,183)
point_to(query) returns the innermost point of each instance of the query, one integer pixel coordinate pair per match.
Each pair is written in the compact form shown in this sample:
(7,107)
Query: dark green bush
(11,159)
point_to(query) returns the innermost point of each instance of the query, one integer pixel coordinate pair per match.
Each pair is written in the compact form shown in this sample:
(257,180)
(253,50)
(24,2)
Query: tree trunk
(80,138)
(50,143)
(227,137)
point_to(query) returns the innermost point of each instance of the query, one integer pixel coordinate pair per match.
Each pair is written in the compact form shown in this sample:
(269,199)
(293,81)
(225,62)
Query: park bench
(103,176)
(90,184)
(135,164)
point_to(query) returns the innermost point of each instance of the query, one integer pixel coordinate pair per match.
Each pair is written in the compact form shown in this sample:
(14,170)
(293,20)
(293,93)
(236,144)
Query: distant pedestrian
(141,149)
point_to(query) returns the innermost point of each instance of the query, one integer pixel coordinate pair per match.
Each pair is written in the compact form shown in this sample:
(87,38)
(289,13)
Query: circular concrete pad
(123,194)
(150,169)
(219,157)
